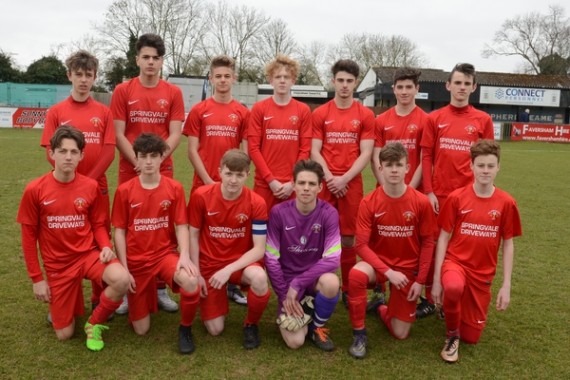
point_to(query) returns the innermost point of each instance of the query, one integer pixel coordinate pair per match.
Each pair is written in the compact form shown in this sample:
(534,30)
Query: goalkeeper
(301,257)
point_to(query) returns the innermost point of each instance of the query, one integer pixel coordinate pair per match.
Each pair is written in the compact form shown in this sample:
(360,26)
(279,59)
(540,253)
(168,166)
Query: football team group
(434,223)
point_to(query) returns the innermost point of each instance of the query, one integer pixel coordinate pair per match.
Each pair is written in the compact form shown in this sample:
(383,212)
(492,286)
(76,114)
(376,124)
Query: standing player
(403,123)
(473,221)
(147,104)
(302,254)
(150,219)
(62,212)
(279,133)
(228,227)
(213,127)
(95,121)
(446,141)
(343,140)
(395,239)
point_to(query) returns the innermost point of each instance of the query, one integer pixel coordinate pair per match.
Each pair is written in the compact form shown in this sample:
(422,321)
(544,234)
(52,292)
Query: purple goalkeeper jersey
(300,248)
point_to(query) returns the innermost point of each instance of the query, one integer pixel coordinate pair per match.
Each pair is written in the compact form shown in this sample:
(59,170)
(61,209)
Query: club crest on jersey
(355,123)
(96,122)
(470,129)
(294,119)
(241,217)
(162,103)
(303,240)
(233,117)
(165,204)
(494,214)
(316,228)
(408,216)
(80,203)
(412,128)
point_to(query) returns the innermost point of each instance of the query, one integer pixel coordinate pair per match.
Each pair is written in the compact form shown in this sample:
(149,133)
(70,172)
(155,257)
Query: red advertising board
(541,132)
(29,117)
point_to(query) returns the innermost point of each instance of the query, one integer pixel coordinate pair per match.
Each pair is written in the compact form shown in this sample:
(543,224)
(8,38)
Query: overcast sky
(446,32)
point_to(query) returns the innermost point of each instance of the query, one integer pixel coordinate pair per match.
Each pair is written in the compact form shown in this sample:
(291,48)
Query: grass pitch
(529,340)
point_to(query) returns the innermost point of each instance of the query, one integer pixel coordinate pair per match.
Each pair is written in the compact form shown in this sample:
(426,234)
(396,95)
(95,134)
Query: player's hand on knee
(293,323)
(291,305)
(41,291)
(106,255)
(186,264)
(398,279)
(220,278)
(415,291)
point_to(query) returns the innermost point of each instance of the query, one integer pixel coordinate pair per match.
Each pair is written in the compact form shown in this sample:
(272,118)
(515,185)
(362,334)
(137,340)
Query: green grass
(529,340)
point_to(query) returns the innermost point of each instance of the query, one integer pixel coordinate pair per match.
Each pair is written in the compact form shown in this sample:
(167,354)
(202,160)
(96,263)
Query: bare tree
(185,29)
(123,18)
(88,42)
(370,50)
(313,70)
(231,31)
(179,22)
(533,37)
(274,38)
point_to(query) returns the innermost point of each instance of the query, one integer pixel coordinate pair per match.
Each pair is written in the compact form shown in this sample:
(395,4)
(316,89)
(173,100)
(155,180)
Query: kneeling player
(395,229)
(228,227)
(473,221)
(62,211)
(149,215)
(302,254)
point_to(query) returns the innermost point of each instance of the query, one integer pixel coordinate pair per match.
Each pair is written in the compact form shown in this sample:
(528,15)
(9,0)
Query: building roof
(385,75)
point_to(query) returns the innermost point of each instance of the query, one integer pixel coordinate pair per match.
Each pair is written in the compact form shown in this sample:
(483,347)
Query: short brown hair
(151,40)
(282,61)
(393,152)
(67,132)
(236,160)
(308,166)
(82,60)
(485,148)
(346,65)
(149,143)
(404,73)
(222,61)
(465,69)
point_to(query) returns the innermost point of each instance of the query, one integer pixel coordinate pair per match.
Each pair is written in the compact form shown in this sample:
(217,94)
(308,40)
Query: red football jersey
(390,127)
(278,136)
(477,226)
(149,217)
(226,227)
(341,131)
(446,141)
(398,229)
(219,127)
(90,117)
(146,109)
(67,216)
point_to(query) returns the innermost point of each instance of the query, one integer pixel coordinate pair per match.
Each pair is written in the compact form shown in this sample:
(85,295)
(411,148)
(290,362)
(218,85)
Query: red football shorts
(144,301)
(215,304)
(270,200)
(476,296)
(67,290)
(347,206)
